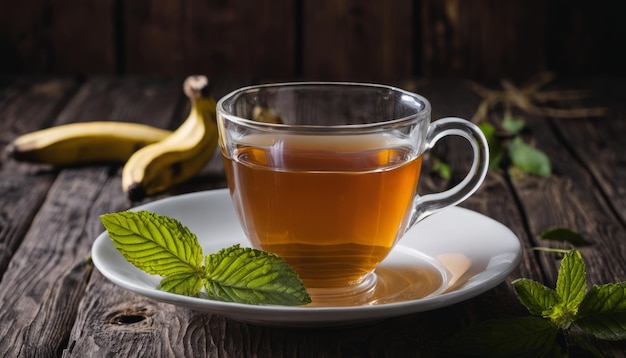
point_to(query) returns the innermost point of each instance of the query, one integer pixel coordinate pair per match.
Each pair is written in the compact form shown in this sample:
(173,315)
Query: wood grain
(215,37)
(49,270)
(25,105)
(65,37)
(603,151)
(356,40)
(340,40)
(570,198)
(483,39)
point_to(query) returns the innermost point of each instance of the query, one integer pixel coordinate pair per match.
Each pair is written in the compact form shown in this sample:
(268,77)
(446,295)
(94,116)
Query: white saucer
(465,252)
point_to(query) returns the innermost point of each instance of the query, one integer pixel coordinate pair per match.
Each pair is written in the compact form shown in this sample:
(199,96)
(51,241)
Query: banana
(85,142)
(181,155)
(266,115)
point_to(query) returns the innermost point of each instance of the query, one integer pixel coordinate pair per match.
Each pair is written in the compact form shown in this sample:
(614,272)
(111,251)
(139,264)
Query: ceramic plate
(449,257)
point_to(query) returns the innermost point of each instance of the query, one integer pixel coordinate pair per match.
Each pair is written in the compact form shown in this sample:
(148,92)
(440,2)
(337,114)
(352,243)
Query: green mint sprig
(160,245)
(601,312)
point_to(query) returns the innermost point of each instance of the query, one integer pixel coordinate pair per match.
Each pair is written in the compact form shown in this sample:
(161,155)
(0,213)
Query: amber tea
(326,204)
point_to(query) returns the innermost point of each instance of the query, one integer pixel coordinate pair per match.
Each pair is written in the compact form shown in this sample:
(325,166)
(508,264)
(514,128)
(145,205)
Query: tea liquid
(328,205)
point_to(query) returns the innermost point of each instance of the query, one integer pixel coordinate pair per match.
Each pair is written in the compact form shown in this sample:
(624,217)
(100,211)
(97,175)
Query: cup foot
(357,294)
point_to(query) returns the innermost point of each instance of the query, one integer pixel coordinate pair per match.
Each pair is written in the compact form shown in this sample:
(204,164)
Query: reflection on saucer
(458,266)
(403,283)
(394,283)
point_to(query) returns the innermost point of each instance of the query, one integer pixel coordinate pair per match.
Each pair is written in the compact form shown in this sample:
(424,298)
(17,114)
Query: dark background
(369,40)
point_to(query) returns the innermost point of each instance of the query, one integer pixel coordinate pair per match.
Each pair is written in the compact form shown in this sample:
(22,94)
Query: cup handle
(426,205)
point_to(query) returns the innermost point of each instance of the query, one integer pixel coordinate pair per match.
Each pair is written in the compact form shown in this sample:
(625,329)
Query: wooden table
(54,303)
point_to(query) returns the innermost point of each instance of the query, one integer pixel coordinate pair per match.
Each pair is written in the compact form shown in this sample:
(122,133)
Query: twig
(528,99)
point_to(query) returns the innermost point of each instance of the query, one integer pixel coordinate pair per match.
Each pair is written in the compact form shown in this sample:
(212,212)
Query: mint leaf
(582,342)
(513,125)
(564,235)
(600,312)
(183,283)
(154,243)
(251,276)
(536,297)
(571,283)
(603,312)
(529,159)
(505,337)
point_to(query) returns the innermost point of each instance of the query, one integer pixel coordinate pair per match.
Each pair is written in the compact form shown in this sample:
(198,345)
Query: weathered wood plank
(30,103)
(65,37)
(25,105)
(216,37)
(356,40)
(110,98)
(572,198)
(137,327)
(483,39)
(49,270)
(42,287)
(594,139)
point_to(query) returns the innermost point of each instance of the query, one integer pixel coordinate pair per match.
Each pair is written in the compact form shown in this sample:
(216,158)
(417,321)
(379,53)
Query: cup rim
(221,110)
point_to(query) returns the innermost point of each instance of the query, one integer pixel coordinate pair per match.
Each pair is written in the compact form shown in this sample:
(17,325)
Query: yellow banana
(182,154)
(85,142)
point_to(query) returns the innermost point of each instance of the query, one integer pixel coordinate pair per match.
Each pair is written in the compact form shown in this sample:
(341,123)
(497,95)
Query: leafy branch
(565,310)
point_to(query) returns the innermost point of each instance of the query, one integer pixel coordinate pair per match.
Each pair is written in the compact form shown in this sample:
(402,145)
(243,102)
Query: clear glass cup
(325,174)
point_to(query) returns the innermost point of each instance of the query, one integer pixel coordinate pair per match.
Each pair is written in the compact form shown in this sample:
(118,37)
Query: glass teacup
(325,174)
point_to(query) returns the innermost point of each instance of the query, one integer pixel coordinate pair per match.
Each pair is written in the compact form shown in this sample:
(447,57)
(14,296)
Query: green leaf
(183,283)
(529,159)
(584,343)
(571,284)
(564,235)
(513,125)
(561,316)
(251,276)
(154,243)
(489,131)
(536,297)
(442,168)
(505,337)
(603,312)
(495,144)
